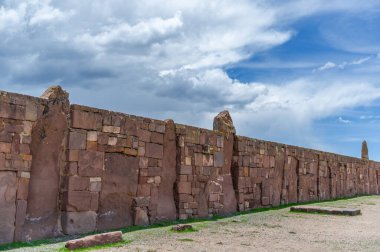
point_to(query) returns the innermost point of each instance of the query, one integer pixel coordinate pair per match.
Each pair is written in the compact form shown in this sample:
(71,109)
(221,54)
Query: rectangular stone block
(79,201)
(78,223)
(157,138)
(219,159)
(31,111)
(186,170)
(86,120)
(8,186)
(23,188)
(77,183)
(184,187)
(5,147)
(154,150)
(92,136)
(12,111)
(90,163)
(77,140)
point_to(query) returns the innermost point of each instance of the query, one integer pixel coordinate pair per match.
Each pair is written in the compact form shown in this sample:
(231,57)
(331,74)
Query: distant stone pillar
(364,150)
(223,123)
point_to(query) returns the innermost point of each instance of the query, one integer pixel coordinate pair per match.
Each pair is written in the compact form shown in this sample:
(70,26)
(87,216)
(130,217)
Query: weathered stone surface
(90,163)
(77,140)
(8,186)
(141,217)
(77,201)
(182,227)
(154,150)
(119,186)
(86,120)
(48,150)
(78,222)
(326,210)
(95,240)
(166,209)
(365,150)
(223,123)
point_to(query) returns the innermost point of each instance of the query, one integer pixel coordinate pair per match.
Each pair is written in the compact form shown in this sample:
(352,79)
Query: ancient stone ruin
(71,169)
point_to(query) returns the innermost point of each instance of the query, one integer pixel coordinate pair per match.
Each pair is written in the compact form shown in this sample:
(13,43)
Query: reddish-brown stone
(154,150)
(90,163)
(95,240)
(8,186)
(86,120)
(77,140)
(119,186)
(77,183)
(48,150)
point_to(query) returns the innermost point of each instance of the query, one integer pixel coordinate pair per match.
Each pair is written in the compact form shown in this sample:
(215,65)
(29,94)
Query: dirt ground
(274,230)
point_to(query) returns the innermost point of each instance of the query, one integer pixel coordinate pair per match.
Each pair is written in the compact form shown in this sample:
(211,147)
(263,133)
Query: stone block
(157,138)
(143,162)
(141,217)
(77,183)
(219,159)
(5,147)
(92,136)
(112,141)
(77,140)
(208,160)
(154,150)
(186,170)
(5,137)
(73,155)
(31,111)
(154,171)
(2,161)
(95,184)
(12,111)
(130,152)
(90,163)
(143,190)
(144,135)
(198,158)
(78,222)
(95,240)
(79,201)
(86,120)
(8,186)
(184,187)
(20,212)
(92,146)
(160,128)
(23,188)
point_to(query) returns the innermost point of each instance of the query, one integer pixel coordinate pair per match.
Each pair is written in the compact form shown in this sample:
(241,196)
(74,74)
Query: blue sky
(299,72)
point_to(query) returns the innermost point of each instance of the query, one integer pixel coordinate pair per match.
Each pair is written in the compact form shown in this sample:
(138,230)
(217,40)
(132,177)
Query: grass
(201,223)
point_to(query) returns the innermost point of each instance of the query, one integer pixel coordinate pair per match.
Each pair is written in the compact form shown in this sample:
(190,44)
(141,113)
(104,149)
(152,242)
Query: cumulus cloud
(168,60)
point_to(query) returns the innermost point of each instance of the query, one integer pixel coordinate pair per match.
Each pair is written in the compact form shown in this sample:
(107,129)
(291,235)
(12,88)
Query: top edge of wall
(21,96)
(105,111)
(316,151)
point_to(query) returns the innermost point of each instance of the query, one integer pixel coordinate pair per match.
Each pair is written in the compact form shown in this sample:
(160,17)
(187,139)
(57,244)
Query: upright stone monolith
(364,150)
(223,123)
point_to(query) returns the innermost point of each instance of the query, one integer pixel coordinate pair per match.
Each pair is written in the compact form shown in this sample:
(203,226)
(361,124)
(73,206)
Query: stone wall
(71,169)
(269,174)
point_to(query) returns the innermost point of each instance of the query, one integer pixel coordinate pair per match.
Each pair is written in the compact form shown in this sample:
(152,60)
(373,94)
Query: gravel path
(274,230)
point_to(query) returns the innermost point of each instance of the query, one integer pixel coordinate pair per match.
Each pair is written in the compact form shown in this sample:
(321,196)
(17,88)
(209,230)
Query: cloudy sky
(300,72)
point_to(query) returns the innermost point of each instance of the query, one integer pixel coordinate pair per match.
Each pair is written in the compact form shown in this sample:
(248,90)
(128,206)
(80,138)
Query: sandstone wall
(71,169)
(269,174)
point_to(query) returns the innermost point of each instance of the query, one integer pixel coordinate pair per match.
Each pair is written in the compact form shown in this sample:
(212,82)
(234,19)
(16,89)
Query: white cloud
(344,121)
(328,65)
(163,59)
(331,65)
